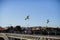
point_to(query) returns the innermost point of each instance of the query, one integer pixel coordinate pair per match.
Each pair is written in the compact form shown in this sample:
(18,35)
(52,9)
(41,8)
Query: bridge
(11,36)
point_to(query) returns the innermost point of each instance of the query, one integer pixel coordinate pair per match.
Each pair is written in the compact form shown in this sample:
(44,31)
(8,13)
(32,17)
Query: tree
(10,29)
(18,28)
(0,26)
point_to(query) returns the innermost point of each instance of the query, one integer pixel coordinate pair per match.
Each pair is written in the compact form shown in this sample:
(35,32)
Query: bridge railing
(32,37)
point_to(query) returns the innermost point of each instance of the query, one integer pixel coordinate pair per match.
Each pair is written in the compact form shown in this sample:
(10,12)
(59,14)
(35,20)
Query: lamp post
(47,26)
(27,19)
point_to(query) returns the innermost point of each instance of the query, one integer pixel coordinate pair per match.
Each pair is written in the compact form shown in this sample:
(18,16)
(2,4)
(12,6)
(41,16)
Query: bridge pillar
(48,39)
(29,39)
(44,38)
(41,38)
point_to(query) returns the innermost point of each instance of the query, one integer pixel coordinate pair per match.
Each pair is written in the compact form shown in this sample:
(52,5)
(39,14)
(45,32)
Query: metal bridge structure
(11,36)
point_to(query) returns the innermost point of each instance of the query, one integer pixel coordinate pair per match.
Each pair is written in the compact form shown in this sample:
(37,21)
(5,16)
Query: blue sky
(13,12)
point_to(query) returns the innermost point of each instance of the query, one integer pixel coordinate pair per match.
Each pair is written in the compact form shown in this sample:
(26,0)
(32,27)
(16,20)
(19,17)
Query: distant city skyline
(14,12)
